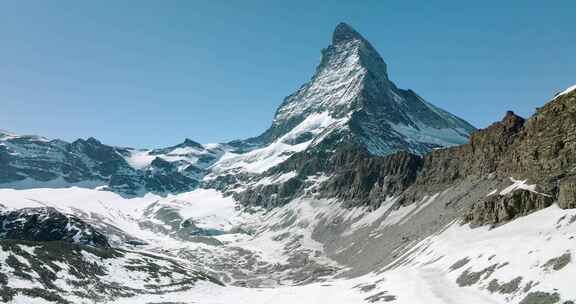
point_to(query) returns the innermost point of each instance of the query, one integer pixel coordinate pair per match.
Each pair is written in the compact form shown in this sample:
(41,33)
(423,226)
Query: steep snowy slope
(529,261)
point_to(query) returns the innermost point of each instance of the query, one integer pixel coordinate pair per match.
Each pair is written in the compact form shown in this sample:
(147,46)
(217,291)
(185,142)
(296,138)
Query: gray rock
(46,224)
(505,288)
(497,209)
(558,263)
(539,297)
(567,193)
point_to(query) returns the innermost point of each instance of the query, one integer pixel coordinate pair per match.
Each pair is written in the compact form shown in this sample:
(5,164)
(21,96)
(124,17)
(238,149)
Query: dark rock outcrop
(356,177)
(47,224)
(359,179)
(496,209)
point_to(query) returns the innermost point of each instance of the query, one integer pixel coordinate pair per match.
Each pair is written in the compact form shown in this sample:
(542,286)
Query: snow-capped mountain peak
(351,82)
(349,101)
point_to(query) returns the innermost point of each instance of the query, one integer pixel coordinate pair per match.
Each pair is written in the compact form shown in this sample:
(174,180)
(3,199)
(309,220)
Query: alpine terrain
(358,192)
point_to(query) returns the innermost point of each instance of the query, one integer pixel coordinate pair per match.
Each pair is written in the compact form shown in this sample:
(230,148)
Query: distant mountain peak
(191,143)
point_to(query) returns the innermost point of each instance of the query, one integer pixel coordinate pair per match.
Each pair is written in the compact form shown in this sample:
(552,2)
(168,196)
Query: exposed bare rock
(539,297)
(496,209)
(559,262)
(567,193)
(363,180)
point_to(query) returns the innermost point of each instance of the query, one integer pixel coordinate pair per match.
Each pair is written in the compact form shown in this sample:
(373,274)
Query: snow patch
(568,90)
(518,184)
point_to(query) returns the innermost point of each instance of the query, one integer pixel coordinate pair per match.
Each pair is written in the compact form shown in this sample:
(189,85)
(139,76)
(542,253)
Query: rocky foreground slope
(359,192)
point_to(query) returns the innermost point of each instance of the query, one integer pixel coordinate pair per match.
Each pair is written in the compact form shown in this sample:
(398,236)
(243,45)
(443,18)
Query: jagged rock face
(363,180)
(540,149)
(480,157)
(48,224)
(497,209)
(40,159)
(546,146)
(352,175)
(567,193)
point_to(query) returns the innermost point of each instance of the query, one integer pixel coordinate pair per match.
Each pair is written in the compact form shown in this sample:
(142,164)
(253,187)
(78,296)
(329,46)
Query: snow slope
(314,127)
(430,272)
(525,252)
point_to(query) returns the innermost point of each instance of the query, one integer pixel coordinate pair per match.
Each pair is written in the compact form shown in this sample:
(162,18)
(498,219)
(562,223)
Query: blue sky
(151,73)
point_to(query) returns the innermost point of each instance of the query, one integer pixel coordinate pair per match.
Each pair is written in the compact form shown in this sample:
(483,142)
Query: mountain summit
(345,33)
(351,87)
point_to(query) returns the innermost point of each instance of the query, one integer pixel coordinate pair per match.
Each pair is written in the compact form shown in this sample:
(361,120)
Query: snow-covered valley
(532,255)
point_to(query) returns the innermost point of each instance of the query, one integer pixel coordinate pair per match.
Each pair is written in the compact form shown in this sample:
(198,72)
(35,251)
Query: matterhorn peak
(351,93)
(344,33)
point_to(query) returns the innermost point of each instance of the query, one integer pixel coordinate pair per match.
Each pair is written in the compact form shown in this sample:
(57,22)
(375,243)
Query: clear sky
(150,73)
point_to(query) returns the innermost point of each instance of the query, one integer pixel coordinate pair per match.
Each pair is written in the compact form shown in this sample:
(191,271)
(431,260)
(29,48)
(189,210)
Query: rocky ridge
(33,161)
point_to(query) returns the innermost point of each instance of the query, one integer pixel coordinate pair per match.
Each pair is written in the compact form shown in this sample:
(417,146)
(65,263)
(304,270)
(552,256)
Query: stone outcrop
(46,224)
(356,177)
(567,193)
(496,209)
(360,179)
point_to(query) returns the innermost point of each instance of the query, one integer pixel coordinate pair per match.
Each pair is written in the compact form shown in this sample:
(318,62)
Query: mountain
(34,161)
(350,101)
(359,192)
(352,93)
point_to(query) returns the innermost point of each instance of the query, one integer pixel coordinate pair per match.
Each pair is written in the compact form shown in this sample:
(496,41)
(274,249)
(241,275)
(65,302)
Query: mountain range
(358,192)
